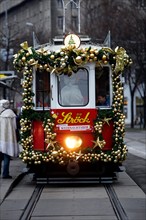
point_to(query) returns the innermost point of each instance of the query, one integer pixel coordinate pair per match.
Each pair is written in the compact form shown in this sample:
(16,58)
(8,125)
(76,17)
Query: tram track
(116,204)
(26,215)
(119,211)
(37,194)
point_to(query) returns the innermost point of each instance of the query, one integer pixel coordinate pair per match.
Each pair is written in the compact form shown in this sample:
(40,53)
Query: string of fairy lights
(65,61)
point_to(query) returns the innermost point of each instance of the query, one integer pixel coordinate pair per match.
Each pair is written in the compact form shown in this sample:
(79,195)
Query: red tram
(72,122)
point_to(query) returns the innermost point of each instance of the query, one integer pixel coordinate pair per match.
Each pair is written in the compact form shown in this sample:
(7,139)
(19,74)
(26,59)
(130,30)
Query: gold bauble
(31,61)
(66,57)
(61,53)
(96,52)
(104,57)
(92,51)
(63,65)
(52,57)
(88,57)
(105,62)
(78,59)
(54,153)
(92,55)
(62,60)
(23,59)
(40,67)
(45,66)
(27,54)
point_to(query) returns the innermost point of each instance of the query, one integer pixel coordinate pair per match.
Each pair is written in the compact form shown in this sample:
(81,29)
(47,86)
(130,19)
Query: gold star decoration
(78,155)
(99,143)
(41,51)
(24,45)
(106,120)
(34,63)
(54,116)
(50,143)
(30,50)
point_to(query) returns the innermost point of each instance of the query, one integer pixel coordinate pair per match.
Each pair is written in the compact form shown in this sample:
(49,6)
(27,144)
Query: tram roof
(58,42)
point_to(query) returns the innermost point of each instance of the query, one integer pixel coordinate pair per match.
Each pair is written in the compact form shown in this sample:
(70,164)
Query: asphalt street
(135,163)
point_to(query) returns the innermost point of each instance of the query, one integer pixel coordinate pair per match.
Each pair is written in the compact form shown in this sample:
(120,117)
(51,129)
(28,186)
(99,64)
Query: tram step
(76,180)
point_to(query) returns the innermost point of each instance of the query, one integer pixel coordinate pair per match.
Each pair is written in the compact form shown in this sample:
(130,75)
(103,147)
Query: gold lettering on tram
(68,118)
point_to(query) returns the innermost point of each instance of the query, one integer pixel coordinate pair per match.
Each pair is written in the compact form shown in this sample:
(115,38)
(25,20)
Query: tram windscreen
(102,86)
(74,90)
(42,89)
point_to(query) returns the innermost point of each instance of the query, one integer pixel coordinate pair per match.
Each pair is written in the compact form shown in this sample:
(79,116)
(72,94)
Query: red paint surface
(38,135)
(107,134)
(73,122)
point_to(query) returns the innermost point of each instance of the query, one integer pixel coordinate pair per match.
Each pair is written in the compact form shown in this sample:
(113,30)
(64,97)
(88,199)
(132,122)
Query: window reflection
(102,85)
(42,89)
(73,90)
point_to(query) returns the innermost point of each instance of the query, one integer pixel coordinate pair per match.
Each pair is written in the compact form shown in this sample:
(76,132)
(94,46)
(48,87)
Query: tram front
(74,123)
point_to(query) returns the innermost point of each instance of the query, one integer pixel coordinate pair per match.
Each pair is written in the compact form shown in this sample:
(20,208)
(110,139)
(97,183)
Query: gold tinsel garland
(68,59)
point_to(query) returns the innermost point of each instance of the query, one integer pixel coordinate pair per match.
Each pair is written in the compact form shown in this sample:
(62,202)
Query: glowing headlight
(73,142)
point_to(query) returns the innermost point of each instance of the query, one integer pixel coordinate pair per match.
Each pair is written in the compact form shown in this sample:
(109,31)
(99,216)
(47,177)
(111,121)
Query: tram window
(74,90)
(42,89)
(102,80)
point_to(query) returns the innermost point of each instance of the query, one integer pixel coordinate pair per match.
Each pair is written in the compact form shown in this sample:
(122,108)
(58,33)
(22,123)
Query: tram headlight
(73,142)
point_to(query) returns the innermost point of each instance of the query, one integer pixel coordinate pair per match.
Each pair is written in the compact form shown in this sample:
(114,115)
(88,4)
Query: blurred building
(47,18)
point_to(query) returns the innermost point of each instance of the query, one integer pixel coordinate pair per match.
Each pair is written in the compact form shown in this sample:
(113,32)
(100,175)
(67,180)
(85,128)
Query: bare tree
(137,77)
(126,21)
(8,39)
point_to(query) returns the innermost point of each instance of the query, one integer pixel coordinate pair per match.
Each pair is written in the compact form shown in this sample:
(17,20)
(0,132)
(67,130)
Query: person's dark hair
(101,94)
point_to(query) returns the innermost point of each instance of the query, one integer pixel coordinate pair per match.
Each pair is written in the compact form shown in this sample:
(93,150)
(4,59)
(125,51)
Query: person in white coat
(70,93)
(8,140)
